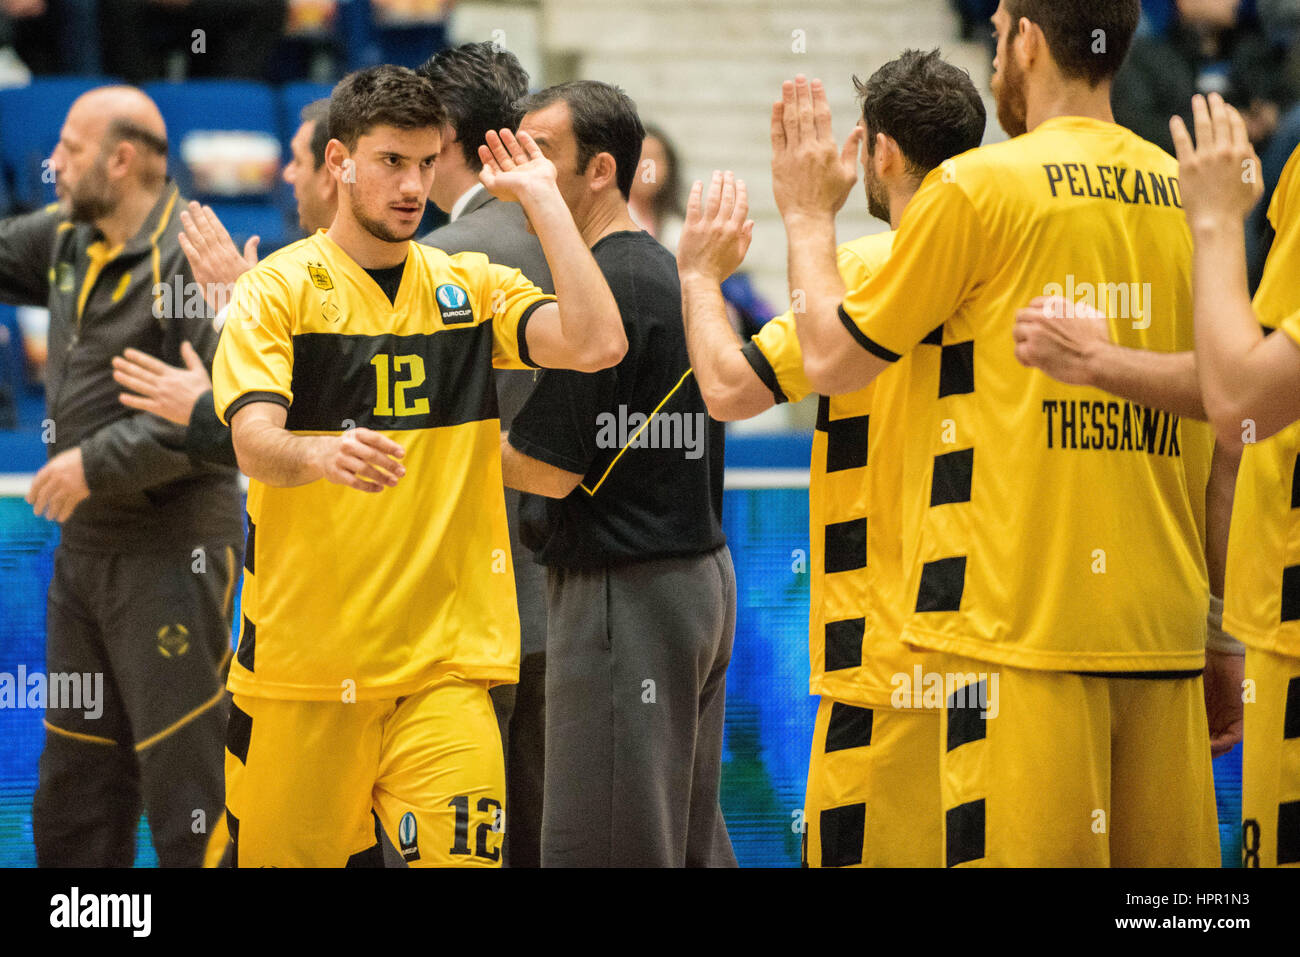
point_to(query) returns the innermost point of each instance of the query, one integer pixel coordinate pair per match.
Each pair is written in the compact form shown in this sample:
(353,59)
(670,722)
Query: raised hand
(513,166)
(717,233)
(810,174)
(1219,174)
(214,259)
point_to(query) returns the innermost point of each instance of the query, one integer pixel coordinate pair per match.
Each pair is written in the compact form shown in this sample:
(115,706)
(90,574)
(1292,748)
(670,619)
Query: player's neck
(1055,98)
(363,247)
(129,216)
(898,200)
(609,214)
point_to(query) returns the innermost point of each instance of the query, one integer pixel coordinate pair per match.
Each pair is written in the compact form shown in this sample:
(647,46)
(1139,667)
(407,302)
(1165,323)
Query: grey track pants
(636,666)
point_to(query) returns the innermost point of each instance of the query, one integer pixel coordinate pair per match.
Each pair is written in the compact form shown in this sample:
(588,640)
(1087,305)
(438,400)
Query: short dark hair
(604,121)
(122,129)
(1088,39)
(478,84)
(382,96)
(926,105)
(317,113)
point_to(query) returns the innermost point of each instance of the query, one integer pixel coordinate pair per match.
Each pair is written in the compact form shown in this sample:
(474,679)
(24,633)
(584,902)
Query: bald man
(138,623)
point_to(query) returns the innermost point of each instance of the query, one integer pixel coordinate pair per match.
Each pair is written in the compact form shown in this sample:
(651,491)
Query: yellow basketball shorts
(303,776)
(1270,762)
(873,788)
(1053,769)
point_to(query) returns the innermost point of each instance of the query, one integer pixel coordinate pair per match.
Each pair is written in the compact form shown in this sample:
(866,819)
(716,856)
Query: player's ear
(888,158)
(1032,45)
(338,160)
(602,171)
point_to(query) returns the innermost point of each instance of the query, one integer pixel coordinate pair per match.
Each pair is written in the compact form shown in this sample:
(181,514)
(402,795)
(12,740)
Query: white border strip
(765,478)
(16,484)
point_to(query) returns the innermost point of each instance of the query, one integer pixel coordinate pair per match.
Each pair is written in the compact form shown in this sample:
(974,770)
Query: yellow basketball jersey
(377,595)
(1055,527)
(857,570)
(1262,586)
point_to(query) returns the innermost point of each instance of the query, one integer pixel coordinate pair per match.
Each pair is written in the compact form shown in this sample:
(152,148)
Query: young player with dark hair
(379,605)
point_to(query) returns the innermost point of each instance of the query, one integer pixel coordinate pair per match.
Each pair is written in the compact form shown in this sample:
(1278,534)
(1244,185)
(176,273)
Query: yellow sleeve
(777,360)
(254,360)
(512,300)
(1291,326)
(936,262)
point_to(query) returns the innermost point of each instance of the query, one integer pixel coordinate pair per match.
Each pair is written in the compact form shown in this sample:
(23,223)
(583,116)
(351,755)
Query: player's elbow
(824,375)
(602,352)
(557,485)
(1231,419)
(729,402)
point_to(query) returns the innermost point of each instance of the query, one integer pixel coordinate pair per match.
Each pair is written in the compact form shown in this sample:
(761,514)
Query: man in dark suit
(478,85)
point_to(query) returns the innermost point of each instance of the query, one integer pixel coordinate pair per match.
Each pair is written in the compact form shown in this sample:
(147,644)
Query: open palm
(514,166)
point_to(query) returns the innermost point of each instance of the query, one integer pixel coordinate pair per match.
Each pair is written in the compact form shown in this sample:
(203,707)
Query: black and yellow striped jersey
(1054,526)
(857,570)
(377,595)
(1261,602)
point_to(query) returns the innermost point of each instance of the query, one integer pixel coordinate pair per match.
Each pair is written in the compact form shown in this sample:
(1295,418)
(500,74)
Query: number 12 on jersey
(391,400)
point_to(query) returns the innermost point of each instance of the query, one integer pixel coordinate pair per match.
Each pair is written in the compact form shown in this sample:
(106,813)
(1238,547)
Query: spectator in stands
(1209,46)
(656,200)
(55,36)
(656,205)
(216,38)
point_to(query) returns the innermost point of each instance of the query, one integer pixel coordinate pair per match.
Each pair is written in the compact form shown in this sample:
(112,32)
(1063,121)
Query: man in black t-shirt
(641,591)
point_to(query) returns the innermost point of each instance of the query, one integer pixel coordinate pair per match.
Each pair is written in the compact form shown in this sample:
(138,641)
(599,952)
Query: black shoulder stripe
(875,348)
(524,355)
(763,369)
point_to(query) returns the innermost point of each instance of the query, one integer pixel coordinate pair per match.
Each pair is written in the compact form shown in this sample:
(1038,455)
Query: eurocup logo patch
(453,304)
(407,838)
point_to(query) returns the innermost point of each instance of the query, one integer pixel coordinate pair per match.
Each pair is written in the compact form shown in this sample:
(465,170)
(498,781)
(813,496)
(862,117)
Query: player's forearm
(816,291)
(1234,390)
(1219,493)
(527,474)
(1158,380)
(731,389)
(276,457)
(590,324)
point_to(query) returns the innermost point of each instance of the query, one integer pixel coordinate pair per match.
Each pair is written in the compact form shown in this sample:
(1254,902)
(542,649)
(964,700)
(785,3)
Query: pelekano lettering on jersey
(1110,426)
(1133,187)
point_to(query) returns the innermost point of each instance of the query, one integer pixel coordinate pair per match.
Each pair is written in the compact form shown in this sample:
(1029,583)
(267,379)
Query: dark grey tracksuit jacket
(146,490)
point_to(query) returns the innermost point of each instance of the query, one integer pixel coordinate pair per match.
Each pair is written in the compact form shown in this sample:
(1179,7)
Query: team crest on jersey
(319,277)
(407,838)
(453,304)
